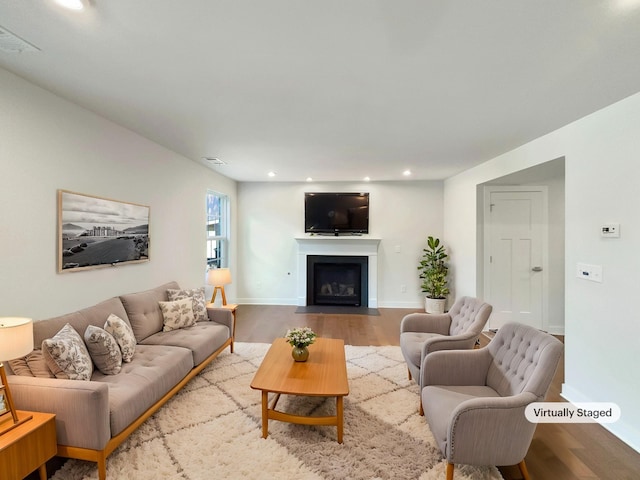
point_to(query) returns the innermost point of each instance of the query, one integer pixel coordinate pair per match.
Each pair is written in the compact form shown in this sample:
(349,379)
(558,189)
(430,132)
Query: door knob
(537,269)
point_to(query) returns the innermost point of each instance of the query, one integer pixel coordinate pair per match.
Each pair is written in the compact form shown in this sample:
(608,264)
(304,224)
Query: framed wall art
(98,232)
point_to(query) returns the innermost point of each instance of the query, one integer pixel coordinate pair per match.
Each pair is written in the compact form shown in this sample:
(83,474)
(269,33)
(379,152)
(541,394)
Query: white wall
(47,143)
(402,215)
(601,186)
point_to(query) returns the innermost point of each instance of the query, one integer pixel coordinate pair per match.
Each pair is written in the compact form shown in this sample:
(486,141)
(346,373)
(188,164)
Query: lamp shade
(219,276)
(16,337)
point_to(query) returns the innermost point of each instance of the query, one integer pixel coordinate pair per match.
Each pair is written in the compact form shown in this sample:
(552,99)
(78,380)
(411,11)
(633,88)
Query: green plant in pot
(433,272)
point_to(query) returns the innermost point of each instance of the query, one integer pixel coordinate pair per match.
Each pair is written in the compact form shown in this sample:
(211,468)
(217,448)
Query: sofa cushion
(199,302)
(178,314)
(123,334)
(67,356)
(104,350)
(153,372)
(144,311)
(202,339)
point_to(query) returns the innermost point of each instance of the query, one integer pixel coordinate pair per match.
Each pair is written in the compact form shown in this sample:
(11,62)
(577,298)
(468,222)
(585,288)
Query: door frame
(544,190)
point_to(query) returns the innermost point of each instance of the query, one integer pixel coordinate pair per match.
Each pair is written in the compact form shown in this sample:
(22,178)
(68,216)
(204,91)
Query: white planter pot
(434,305)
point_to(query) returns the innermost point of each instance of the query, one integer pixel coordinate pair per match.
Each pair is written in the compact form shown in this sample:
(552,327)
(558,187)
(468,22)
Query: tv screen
(336,213)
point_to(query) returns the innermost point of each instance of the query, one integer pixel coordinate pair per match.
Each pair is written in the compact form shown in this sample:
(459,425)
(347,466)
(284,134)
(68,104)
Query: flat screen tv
(336,213)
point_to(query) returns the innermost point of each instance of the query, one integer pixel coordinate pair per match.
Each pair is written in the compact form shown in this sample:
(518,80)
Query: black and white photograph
(99,232)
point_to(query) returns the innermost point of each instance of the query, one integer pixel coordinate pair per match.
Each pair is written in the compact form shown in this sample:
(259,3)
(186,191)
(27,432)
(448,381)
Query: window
(217,230)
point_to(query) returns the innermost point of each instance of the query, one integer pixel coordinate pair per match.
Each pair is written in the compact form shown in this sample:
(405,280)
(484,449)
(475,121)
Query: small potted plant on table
(433,272)
(300,338)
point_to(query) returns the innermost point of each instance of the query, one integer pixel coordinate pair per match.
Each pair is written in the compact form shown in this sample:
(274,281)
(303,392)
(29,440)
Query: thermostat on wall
(610,230)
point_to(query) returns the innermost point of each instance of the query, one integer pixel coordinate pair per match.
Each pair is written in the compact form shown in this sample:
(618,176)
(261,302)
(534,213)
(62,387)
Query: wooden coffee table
(323,375)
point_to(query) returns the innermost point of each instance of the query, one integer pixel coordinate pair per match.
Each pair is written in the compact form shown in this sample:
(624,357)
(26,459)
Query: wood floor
(558,451)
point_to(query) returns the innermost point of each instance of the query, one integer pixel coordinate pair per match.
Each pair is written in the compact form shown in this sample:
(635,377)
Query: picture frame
(4,404)
(95,232)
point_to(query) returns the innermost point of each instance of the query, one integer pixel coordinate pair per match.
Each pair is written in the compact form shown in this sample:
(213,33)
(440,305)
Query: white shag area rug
(212,429)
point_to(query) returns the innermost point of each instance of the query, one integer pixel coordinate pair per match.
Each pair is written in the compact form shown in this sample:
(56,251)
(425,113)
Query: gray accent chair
(474,400)
(459,329)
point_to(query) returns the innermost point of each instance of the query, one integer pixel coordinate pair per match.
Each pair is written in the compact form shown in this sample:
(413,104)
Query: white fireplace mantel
(341,245)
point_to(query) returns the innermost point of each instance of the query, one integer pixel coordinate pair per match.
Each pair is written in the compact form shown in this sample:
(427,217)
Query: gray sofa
(94,417)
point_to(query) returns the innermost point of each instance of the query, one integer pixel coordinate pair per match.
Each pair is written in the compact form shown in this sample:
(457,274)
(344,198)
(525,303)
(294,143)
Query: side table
(233,307)
(27,447)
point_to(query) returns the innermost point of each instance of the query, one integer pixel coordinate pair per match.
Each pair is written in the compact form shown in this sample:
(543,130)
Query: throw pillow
(32,365)
(104,350)
(199,302)
(123,334)
(67,356)
(20,367)
(178,314)
(38,365)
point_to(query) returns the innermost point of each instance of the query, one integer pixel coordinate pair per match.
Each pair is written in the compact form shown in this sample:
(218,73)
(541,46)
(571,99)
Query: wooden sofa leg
(421,409)
(102,467)
(409,372)
(523,470)
(450,471)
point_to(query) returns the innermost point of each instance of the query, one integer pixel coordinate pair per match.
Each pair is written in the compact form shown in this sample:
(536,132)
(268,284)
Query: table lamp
(16,340)
(219,277)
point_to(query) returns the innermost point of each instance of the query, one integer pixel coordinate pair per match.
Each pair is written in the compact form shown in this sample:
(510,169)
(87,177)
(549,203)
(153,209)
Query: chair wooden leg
(409,372)
(421,409)
(523,470)
(449,471)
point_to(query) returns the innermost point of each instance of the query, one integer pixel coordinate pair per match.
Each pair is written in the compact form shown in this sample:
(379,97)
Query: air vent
(12,43)
(214,161)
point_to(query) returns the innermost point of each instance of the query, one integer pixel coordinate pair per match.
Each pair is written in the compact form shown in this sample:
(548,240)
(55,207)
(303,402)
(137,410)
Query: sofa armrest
(426,323)
(463,341)
(223,316)
(456,367)
(491,430)
(81,407)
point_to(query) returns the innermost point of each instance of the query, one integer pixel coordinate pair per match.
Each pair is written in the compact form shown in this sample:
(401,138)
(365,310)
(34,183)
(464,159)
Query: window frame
(217,243)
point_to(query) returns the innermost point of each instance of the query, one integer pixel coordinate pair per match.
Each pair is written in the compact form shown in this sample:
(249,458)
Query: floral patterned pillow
(199,302)
(178,314)
(123,335)
(104,350)
(66,355)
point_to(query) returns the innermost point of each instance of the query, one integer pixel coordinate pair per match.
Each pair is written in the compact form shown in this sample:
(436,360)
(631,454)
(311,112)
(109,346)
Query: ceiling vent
(12,43)
(214,161)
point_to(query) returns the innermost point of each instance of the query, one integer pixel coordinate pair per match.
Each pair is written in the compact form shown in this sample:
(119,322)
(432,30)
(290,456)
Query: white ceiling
(333,89)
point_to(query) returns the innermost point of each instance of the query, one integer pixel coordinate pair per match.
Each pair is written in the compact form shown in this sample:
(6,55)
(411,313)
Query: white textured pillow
(66,355)
(178,314)
(123,334)
(104,350)
(199,302)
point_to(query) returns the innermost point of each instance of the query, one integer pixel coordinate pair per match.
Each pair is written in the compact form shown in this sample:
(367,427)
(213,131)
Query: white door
(515,255)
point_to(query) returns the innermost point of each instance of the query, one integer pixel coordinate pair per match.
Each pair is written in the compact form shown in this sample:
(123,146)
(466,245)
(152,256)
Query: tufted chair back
(468,314)
(520,355)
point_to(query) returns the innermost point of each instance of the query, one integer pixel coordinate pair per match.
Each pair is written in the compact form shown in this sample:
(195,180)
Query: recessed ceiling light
(406,173)
(71,4)
(272,174)
(366,179)
(309,179)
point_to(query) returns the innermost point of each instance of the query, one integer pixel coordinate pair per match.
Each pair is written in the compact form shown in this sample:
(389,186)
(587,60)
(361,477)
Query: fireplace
(337,280)
(340,247)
